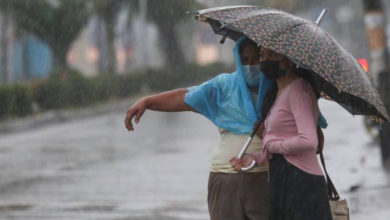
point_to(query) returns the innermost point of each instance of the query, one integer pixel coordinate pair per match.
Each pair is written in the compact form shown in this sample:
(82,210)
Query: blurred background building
(137,43)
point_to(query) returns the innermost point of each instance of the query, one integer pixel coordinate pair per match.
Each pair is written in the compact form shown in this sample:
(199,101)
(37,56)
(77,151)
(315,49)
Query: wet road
(92,168)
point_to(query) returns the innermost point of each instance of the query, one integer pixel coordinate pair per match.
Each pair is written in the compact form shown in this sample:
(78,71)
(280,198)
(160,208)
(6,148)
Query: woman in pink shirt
(297,189)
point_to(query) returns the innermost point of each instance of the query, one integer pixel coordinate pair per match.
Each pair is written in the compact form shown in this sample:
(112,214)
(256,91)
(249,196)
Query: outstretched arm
(171,101)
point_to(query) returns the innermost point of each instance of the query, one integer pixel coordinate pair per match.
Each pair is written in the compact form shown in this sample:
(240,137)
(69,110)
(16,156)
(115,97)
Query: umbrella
(335,71)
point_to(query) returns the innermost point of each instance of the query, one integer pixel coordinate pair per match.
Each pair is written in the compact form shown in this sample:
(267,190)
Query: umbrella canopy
(335,71)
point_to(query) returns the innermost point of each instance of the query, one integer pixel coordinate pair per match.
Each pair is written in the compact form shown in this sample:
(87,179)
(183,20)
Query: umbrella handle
(249,167)
(245,147)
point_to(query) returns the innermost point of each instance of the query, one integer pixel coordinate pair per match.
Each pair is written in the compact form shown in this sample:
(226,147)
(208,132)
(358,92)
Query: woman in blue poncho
(232,102)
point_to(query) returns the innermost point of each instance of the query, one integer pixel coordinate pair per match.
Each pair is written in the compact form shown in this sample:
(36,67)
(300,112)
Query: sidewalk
(353,161)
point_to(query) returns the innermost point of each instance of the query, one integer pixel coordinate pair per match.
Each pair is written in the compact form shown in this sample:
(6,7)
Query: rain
(70,70)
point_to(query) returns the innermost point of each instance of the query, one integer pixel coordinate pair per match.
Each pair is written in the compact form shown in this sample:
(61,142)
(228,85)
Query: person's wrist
(146,102)
(257,157)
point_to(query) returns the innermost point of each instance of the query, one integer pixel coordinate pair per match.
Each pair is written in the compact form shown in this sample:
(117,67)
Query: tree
(4,46)
(166,15)
(108,10)
(57,23)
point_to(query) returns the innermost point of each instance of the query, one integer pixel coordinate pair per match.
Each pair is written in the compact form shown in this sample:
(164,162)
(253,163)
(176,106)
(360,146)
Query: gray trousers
(238,196)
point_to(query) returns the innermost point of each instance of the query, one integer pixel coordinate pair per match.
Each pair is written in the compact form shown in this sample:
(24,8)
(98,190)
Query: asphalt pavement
(84,165)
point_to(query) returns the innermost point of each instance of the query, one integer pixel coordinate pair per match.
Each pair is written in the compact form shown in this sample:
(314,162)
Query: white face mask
(252,75)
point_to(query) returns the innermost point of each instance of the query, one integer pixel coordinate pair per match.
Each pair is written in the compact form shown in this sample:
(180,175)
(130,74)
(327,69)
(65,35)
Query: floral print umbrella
(336,72)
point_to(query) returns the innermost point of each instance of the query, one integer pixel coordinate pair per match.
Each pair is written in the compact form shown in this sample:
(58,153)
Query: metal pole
(319,19)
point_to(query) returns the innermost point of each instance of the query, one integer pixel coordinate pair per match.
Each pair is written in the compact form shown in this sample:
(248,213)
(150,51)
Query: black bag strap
(332,192)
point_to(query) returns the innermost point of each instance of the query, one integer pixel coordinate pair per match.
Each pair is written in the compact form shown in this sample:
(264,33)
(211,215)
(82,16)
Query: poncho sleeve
(204,98)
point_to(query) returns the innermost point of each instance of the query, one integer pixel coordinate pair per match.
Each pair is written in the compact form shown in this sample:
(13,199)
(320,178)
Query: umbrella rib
(287,29)
(232,23)
(280,32)
(315,36)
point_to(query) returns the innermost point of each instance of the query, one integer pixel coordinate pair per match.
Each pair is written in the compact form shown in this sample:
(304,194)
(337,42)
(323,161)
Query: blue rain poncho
(226,99)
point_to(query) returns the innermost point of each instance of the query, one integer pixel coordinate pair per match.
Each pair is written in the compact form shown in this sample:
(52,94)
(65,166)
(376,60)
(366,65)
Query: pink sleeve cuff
(274,147)
(262,157)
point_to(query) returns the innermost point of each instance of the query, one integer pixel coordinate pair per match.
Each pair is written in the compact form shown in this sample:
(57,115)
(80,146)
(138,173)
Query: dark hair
(246,42)
(268,101)
(270,97)
(310,77)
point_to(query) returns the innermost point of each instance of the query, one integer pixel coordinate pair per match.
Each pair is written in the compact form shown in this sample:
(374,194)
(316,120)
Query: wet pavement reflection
(93,168)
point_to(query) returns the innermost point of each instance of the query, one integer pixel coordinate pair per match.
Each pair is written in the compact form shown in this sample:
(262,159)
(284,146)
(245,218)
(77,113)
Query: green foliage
(5,101)
(47,94)
(55,22)
(170,12)
(107,8)
(170,78)
(106,86)
(55,93)
(76,90)
(103,86)
(21,104)
(15,101)
(129,84)
(166,15)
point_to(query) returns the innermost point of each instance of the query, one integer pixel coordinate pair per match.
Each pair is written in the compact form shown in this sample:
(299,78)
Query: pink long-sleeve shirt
(291,128)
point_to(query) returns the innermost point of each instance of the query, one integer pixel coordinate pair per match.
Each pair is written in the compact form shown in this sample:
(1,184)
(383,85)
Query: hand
(260,130)
(245,161)
(136,110)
